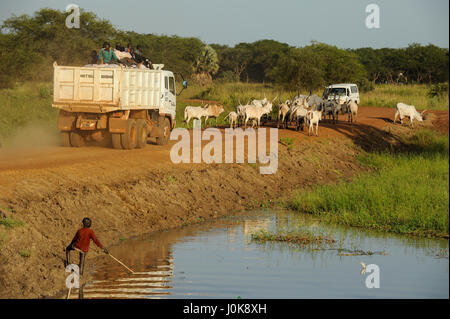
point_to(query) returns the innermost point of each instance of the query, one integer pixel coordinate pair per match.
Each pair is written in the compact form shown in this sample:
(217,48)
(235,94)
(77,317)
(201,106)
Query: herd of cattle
(303,111)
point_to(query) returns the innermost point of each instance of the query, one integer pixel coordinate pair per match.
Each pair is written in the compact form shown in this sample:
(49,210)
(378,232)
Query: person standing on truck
(107,55)
(81,242)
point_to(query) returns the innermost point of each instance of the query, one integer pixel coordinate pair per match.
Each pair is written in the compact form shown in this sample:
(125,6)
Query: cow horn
(423,112)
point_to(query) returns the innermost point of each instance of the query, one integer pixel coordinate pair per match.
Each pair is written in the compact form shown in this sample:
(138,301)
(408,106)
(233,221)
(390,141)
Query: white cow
(408,110)
(256,112)
(232,118)
(260,103)
(194,112)
(300,116)
(352,108)
(283,110)
(213,111)
(313,118)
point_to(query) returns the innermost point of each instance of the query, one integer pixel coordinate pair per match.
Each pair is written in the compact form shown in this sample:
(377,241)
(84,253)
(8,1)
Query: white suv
(343,91)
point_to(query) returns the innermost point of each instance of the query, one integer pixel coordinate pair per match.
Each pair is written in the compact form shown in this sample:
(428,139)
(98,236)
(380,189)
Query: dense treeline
(30,44)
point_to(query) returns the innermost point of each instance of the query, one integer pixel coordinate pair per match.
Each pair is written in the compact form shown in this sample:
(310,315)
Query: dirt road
(126,193)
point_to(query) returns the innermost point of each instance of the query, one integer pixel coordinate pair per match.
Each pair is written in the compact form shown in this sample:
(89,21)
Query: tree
(206,64)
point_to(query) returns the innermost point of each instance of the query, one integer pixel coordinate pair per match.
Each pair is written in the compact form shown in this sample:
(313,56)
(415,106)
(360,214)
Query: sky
(296,22)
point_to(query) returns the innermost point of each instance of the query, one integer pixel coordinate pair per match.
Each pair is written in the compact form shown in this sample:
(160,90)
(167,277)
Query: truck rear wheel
(76,139)
(163,139)
(65,139)
(142,133)
(116,141)
(129,138)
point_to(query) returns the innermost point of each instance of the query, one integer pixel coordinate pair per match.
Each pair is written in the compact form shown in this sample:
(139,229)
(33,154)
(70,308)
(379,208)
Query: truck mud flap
(117,125)
(66,123)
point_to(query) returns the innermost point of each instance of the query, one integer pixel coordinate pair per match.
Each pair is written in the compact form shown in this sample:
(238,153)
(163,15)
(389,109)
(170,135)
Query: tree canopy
(30,44)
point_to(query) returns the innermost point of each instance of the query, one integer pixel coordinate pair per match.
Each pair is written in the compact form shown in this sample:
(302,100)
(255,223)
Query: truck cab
(343,92)
(168,95)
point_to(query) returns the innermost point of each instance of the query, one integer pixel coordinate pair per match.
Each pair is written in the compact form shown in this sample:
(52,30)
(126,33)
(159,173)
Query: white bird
(363,270)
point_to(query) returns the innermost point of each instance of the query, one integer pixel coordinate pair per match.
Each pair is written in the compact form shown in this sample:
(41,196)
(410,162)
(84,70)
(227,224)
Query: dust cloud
(31,136)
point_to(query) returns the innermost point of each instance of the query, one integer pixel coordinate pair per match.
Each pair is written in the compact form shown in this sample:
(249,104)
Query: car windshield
(338,91)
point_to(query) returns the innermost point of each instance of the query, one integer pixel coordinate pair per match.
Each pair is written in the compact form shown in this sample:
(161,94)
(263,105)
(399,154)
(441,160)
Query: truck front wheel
(163,139)
(129,138)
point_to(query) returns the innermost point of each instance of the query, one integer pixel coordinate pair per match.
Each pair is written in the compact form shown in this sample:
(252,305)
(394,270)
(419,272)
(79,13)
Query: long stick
(114,259)
(121,263)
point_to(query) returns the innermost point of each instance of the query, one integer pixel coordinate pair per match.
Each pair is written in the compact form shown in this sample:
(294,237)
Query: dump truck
(128,105)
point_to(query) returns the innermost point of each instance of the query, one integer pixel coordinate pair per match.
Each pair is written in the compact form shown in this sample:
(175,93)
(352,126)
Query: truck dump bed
(105,89)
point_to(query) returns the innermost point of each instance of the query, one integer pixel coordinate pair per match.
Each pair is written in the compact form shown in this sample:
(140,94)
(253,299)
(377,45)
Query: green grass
(25,253)
(408,193)
(417,94)
(26,103)
(287,140)
(11,223)
(171,179)
(303,237)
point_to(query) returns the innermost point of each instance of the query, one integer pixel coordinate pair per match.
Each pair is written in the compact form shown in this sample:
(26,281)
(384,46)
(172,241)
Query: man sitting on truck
(107,54)
(140,59)
(123,55)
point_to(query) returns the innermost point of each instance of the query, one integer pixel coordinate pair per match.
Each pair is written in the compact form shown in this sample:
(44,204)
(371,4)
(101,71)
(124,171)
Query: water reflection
(218,260)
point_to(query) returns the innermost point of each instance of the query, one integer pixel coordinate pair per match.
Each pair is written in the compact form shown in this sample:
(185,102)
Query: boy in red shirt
(81,241)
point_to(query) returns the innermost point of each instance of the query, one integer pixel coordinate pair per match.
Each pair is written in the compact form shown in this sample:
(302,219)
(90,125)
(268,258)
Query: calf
(232,118)
(313,118)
